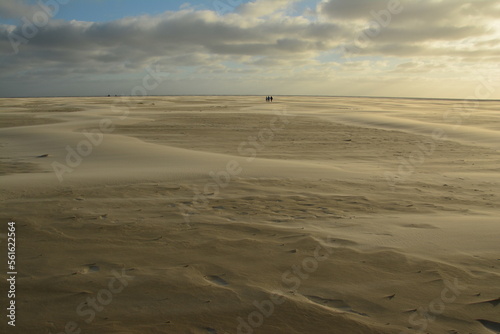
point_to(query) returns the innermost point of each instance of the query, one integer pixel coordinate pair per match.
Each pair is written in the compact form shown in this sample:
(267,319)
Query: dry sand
(218,215)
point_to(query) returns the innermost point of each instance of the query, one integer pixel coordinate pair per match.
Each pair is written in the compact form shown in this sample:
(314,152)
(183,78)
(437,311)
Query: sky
(394,48)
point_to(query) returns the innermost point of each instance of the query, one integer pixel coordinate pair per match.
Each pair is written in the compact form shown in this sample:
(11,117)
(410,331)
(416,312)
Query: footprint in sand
(422,226)
(336,304)
(391,297)
(88,268)
(494,302)
(491,325)
(216,280)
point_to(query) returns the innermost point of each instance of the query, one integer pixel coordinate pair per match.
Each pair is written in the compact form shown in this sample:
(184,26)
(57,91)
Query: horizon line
(246,95)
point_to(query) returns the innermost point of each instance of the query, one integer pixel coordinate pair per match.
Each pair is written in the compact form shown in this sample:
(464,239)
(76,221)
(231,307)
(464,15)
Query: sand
(222,215)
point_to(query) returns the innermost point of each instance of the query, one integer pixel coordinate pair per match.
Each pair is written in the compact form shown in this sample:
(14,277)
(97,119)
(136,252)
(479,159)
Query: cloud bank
(264,43)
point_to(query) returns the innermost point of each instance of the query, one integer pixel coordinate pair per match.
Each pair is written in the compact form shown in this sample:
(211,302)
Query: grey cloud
(418,50)
(418,19)
(413,10)
(414,30)
(16,9)
(276,62)
(416,67)
(423,34)
(324,31)
(203,38)
(352,9)
(138,40)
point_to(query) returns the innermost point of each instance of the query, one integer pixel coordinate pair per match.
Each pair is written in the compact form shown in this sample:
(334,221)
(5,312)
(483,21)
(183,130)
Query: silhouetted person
(271,98)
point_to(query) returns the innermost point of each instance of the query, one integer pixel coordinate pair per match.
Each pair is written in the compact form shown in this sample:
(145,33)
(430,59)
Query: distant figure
(271,98)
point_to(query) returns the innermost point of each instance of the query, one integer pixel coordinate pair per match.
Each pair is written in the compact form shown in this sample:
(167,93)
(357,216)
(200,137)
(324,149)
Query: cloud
(262,8)
(15,9)
(258,34)
(418,28)
(349,10)
(431,11)
(172,34)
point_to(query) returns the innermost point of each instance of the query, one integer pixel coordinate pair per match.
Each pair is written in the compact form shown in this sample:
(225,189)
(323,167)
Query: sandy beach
(227,214)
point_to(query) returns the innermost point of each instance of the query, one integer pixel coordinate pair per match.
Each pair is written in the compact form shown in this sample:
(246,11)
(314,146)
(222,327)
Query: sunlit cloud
(326,46)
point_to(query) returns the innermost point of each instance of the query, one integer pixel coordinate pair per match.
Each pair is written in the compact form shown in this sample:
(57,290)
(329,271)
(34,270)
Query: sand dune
(232,215)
